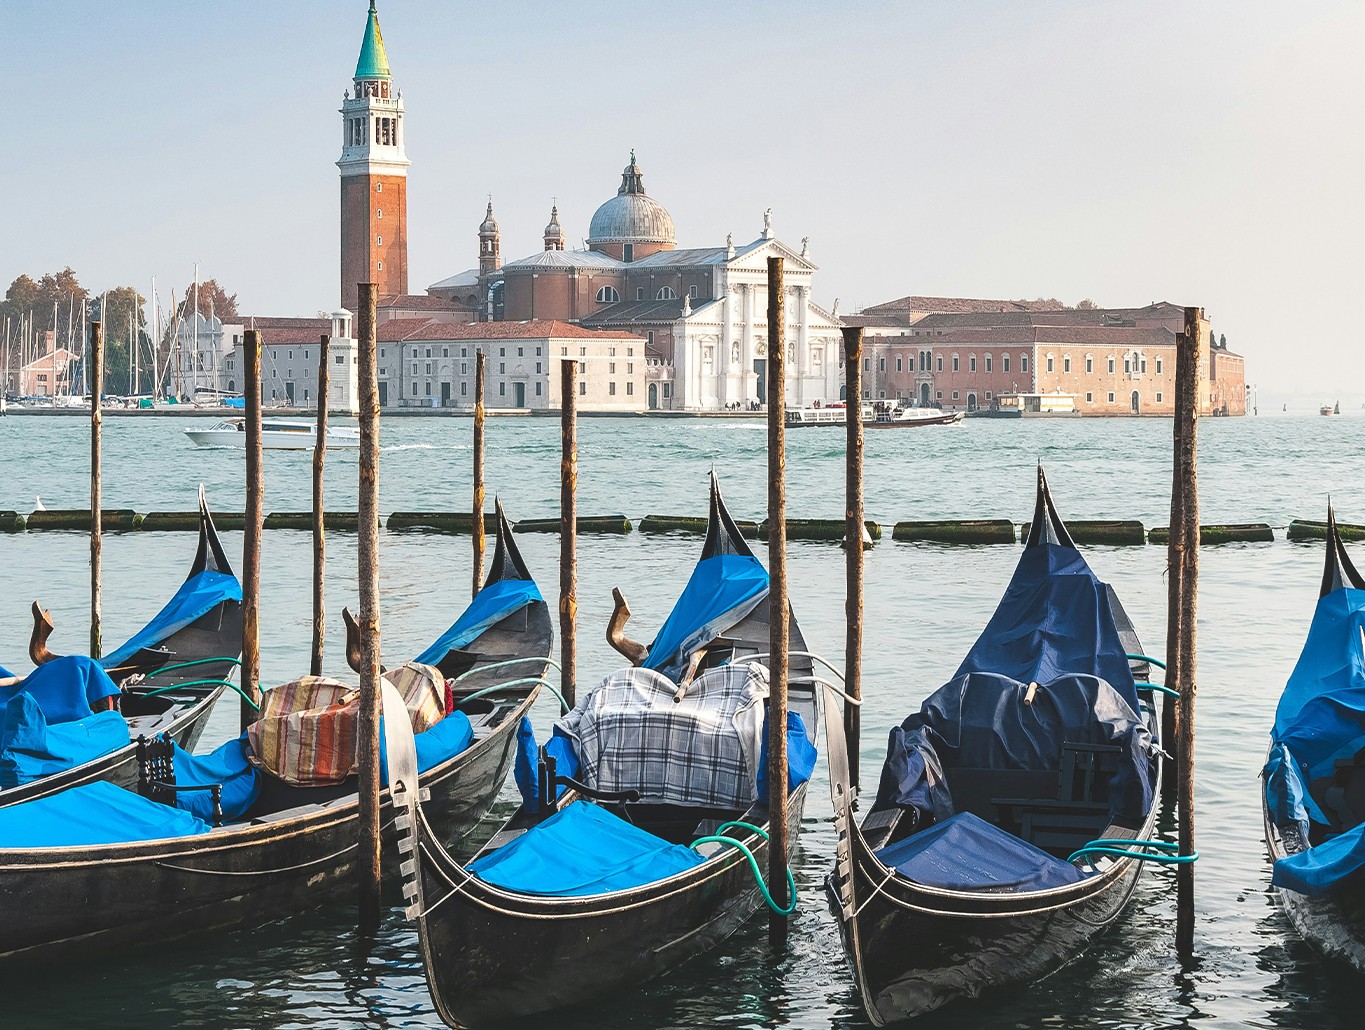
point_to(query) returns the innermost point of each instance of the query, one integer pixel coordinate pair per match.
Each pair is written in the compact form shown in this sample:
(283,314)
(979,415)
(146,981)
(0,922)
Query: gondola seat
(582,850)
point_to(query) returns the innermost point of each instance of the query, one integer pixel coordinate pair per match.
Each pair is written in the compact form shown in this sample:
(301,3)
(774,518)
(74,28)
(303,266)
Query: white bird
(38,503)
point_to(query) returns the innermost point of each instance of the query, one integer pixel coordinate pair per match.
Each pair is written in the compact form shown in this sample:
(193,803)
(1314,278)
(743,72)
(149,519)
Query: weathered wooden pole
(95,389)
(1187,371)
(853,543)
(778,629)
(367,861)
(568,529)
(252,528)
(1175,591)
(319,529)
(480,364)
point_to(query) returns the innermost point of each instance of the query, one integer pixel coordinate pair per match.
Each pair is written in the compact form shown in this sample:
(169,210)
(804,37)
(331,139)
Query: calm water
(925,605)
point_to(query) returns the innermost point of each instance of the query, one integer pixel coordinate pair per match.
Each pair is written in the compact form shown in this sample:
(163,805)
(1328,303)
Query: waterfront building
(290,349)
(1114,361)
(51,372)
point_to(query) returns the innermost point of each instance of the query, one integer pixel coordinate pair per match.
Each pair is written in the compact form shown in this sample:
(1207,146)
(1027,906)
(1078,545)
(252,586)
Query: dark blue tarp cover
(435,745)
(31,748)
(1053,620)
(228,766)
(582,850)
(96,813)
(980,721)
(197,595)
(721,591)
(490,606)
(65,688)
(801,756)
(1320,719)
(527,765)
(966,853)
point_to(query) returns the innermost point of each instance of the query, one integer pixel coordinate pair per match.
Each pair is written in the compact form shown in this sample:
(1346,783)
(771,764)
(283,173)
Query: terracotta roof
(288,330)
(60,355)
(650,312)
(1105,336)
(536,329)
(395,329)
(418,302)
(946,305)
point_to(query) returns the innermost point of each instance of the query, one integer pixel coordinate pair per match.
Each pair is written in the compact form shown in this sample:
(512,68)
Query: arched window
(608,295)
(666,293)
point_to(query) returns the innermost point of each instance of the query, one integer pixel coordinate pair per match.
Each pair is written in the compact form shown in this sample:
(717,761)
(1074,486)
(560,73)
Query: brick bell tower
(374,176)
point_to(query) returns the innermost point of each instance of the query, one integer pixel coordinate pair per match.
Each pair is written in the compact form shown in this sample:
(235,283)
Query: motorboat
(277,434)
(912,417)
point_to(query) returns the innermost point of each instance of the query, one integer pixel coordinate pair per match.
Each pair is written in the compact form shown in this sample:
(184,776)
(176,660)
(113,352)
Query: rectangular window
(988,366)
(464,371)
(582,367)
(1004,362)
(521,351)
(938,395)
(414,368)
(502,392)
(1111,396)
(502,352)
(988,395)
(1111,364)
(1089,363)
(1049,362)
(1023,362)
(1066,363)
(611,389)
(954,398)
(538,373)
(429,373)
(1158,366)
(1142,366)
(1088,398)
(649,337)
(1158,400)
(940,362)
(428,354)
(898,369)
(538,394)
(341,360)
(639,295)
(464,392)
(582,388)
(582,352)
(691,292)
(971,363)
(881,364)
(668,390)
(954,363)
(630,391)
(414,389)
(502,371)
(611,370)
(630,368)
(445,352)
(429,394)
(867,364)
(1127,366)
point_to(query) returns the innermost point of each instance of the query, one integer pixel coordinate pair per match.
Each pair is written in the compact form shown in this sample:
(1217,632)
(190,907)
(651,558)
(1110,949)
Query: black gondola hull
(56,903)
(1334,923)
(493,956)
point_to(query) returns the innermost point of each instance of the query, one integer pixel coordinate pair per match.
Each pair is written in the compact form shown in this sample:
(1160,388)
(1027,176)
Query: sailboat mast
(195,366)
(53,387)
(70,319)
(156,339)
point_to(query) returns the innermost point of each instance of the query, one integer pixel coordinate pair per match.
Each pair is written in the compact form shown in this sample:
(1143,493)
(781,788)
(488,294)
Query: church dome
(631,216)
(489,225)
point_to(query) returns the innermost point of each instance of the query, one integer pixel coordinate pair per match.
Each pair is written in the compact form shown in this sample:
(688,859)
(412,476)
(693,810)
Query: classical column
(802,344)
(723,348)
(746,344)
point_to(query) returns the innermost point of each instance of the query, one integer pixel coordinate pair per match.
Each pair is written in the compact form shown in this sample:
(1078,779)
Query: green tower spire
(374,62)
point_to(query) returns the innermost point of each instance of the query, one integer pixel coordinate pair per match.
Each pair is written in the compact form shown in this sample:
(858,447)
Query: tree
(213,301)
(1087,305)
(120,309)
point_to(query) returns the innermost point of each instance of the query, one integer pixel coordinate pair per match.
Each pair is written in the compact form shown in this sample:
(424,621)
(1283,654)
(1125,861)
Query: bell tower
(374,176)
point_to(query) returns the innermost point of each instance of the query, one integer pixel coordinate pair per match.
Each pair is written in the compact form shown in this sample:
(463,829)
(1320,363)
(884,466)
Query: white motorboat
(277,434)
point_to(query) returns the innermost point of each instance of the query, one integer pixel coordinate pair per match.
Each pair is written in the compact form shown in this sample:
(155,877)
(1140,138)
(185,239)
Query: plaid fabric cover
(704,750)
(308,730)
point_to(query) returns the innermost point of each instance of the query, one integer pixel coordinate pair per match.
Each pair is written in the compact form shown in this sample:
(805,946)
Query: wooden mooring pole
(1175,592)
(319,529)
(568,529)
(853,544)
(367,861)
(95,372)
(480,365)
(1187,370)
(778,628)
(252,528)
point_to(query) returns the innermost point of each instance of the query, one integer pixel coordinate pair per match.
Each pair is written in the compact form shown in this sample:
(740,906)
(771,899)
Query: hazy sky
(1206,153)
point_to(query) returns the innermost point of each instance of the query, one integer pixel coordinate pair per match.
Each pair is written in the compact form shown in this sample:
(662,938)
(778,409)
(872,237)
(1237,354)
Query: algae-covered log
(956,531)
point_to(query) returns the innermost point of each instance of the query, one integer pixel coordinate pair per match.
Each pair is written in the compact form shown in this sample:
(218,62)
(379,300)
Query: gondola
(625,898)
(169,874)
(1314,796)
(964,878)
(169,673)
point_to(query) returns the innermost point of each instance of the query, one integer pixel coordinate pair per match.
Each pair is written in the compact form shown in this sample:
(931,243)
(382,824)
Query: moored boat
(166,678)
(1011,806)
(277,434)
(99,868)
(1314,793)
(913,417)
(595,890)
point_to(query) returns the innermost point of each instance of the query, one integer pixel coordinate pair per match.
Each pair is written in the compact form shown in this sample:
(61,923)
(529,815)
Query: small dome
(631,216)
(489,223)
(554,230)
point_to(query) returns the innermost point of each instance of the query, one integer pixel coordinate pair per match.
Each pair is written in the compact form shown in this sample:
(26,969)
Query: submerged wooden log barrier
(252,526)
(342,520)
(1310,529)
(367,746)
(476,517)
(779,630)
(319,519)
(1185,548)
(567,528)
(692,525)
(169,521)
(113,519)
(956,531)
(12,522)
(833,530)
(1119,532)
(582,524)
(95,516)
(432,521)
(854,519)
(1222,533)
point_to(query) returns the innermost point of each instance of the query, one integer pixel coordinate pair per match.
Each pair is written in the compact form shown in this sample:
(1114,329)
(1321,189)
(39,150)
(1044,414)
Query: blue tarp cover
(583,850)
(801,755)
(197,595)
(966,853)
(438,744)
(490,606)
(1053,620)
(722,590)
(980,721)
(96,813)
(31,748)
(65,688)
(526,770)
(229,766)
(1320,719)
